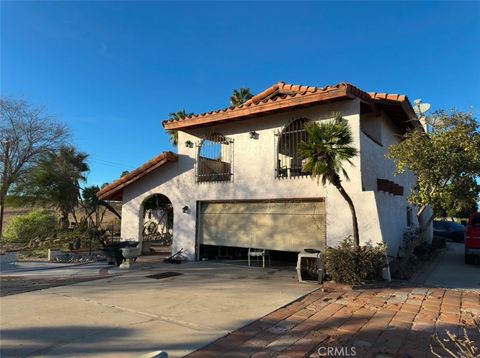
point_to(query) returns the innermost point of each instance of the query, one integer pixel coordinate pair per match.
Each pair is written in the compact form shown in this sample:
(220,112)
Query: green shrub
(37,225)
(78,237)
(346,264)
(411,239)
(411,253)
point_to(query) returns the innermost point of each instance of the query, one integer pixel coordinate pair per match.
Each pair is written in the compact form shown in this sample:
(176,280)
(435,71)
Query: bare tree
(25,133)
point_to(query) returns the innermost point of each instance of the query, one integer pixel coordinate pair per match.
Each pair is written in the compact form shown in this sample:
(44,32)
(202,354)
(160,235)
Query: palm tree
(55,180)
(240,96)
(177,115)
(327,147)
(94,207)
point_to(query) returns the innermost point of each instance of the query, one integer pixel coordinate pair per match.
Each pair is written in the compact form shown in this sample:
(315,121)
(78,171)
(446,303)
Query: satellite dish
(424,107)
(420,108)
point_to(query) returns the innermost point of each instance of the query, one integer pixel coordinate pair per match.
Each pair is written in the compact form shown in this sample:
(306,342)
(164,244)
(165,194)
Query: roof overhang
(114,191)
(283,97)
(399,109)
(275,105)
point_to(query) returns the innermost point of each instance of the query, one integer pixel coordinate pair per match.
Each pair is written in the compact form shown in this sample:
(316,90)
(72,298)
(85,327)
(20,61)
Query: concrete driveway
(132,314)
(450,270)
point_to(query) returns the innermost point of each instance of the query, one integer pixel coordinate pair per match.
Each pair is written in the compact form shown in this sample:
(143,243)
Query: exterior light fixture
(189,144)
(253,135)
(185,209)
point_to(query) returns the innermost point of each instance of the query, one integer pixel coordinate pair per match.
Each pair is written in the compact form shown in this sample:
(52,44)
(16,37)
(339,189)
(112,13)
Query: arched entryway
(157,225)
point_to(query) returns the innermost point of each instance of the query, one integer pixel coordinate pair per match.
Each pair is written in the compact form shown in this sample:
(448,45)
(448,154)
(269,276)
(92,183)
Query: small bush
(411,239)
(37,225)
(415,245)
(346,264)
(413,251)
(78,237)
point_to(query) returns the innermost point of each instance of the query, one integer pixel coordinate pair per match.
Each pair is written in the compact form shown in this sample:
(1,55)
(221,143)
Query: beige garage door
(274,225)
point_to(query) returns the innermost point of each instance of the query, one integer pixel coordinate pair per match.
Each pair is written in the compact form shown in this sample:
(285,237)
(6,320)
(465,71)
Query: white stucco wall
(391,209)
(255,178)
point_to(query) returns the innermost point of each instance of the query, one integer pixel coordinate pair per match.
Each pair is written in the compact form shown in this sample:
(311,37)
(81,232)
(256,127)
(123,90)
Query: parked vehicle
(472,239)
(449,229)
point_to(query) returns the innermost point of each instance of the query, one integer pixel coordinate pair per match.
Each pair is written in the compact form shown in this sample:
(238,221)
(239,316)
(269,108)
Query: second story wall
(255,160)
(394,213)
(378,133)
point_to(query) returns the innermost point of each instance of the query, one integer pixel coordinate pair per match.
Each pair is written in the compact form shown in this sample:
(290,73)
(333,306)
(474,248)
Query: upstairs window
(289,161)
(214,159)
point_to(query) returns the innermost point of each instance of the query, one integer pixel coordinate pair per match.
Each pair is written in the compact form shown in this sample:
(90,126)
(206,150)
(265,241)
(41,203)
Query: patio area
(389,322)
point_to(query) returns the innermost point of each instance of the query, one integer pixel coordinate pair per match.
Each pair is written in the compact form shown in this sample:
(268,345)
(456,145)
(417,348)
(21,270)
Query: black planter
(113,252)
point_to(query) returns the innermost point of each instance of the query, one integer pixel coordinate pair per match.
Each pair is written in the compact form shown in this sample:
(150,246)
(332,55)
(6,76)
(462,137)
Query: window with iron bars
(214,159)
(289,161)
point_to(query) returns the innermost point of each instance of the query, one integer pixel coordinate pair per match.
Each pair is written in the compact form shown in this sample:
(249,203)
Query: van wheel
(468,259)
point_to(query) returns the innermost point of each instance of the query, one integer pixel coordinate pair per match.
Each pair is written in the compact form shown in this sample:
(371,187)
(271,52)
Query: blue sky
(114,70)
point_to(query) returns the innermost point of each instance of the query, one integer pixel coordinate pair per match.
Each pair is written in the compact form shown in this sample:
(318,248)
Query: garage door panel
(239,229)
(215,227)
(280,225)
(273,207)
(312,230)
(271,231)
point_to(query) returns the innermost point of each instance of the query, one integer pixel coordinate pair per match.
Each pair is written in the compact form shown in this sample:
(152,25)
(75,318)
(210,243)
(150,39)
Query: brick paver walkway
(388,322)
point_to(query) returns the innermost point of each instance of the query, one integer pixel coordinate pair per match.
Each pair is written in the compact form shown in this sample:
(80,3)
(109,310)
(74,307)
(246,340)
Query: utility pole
(3,192)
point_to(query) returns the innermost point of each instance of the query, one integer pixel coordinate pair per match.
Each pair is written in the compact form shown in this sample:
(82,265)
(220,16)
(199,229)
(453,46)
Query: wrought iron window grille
(289,163)
(214,159)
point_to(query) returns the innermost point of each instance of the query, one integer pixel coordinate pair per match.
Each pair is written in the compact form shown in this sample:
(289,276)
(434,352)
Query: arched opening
(157,230)
(289,161)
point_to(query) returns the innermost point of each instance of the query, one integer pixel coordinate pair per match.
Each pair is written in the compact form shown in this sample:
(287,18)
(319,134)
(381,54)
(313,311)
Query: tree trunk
(343,193)
(424,224)
(2,206)
(3,198)
(4,185)
(74,217)
(101,218)
(64,222)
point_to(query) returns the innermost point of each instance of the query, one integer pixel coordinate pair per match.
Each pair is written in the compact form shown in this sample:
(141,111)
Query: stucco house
(237,179)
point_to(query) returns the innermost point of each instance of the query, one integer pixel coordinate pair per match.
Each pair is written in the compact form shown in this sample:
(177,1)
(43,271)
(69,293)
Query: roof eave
(114,191)
(269,107)
(408,120)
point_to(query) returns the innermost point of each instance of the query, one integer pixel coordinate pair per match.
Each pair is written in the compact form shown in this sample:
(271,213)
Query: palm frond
(327,147)
(181,114)
(240,96)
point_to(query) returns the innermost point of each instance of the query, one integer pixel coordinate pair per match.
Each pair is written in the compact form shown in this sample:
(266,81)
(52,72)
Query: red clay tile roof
(114,190)
(282,96)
